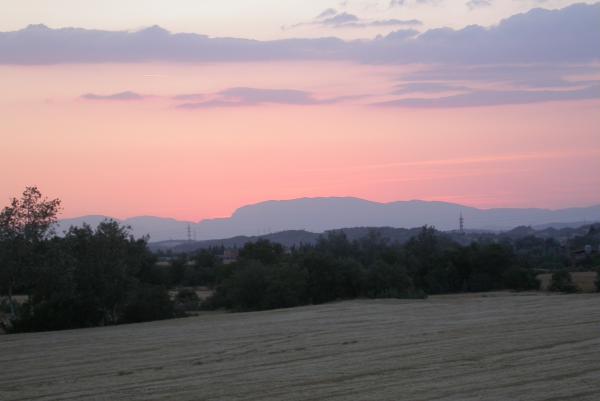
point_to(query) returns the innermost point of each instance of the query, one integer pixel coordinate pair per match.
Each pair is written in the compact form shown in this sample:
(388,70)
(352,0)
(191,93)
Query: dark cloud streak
(495,98)
(126,96)
(241,97)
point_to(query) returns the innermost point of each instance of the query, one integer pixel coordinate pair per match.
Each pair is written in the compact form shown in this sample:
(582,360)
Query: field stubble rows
(497,346)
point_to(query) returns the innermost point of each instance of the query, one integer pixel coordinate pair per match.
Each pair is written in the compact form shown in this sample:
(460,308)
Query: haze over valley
(321,214)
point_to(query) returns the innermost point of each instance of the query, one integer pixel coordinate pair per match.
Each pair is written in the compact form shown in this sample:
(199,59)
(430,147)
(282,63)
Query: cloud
(474,4)
(190,96)
(238,97)
(127,95)
(330,18)
(231,97)
(397,3)
(396,22)
(401,3)
(428,87)
(330,12)
(568,35)
(523,76)
(340,20)
(496,98)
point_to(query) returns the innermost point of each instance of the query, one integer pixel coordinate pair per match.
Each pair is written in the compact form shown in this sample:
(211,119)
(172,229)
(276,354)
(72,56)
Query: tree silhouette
(24,223)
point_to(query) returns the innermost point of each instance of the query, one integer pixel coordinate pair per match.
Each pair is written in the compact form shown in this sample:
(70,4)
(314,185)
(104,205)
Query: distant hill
(285,238)
(394,235)
(316,215)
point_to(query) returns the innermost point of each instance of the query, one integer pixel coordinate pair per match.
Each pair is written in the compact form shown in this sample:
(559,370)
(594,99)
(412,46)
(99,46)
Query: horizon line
(321,198)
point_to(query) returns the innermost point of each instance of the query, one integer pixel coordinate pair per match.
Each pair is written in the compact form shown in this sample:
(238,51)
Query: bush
(388,281)
(520,279)
(255,286)
(187,300)
(147,303)
(562,282)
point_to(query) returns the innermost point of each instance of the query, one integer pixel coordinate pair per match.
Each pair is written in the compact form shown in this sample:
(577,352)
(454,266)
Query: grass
(501,346)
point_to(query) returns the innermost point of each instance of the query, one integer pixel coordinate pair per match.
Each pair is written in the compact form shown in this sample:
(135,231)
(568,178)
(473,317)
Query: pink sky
(148,157)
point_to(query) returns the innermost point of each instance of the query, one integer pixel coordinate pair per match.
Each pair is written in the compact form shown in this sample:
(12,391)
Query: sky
(259,19)
(191,109)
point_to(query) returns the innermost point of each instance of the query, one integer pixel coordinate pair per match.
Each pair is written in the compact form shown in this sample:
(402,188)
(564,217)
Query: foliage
(521,279)
(263,251)
(336,268)
(85,278)
(187,300)
(257,286)
(562,282)
(30,217)
(104,276)
(146,303)
(387,281)
(24,224)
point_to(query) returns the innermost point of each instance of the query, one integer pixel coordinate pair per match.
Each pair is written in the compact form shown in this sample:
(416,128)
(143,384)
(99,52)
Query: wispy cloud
(496,98)
(428,87)
(239,97)
(331,18)
(474,4)
(127,95)
(528,74)
(190,96)
(397,3)
(330,12)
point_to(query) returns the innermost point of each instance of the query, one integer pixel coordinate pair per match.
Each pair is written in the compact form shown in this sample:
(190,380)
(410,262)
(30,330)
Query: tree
(187,300)
(562,282)
(91,277)
(147,303)
(422,255)
(388,281)
(108,263)
(263,250)
(253,285)
(24,224)
(521,279)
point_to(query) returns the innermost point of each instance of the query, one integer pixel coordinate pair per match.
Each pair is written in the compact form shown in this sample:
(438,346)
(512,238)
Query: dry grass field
(499,346)
(586,281)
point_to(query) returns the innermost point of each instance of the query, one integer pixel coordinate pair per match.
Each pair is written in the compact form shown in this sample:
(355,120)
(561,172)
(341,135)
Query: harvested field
(586,281)
(498,346)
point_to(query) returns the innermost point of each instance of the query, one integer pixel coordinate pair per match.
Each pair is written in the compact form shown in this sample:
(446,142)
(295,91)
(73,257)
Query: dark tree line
(335,268)
(88,277)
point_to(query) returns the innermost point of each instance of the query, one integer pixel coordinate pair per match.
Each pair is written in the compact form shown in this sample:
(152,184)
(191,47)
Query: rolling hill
(317,215)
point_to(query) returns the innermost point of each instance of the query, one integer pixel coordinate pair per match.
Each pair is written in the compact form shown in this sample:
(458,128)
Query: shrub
(255,286)
(187,300)
(147,303)
(388,281)
(562,282)
(520,279)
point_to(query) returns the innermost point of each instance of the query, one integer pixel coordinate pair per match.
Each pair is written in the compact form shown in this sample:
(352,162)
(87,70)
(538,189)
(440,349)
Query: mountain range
(317,215)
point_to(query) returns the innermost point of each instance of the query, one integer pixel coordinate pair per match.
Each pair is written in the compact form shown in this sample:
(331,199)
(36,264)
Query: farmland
(585,281)
(495,346)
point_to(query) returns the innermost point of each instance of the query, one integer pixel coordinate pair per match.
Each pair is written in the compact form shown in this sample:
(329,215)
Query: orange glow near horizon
(147,157)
